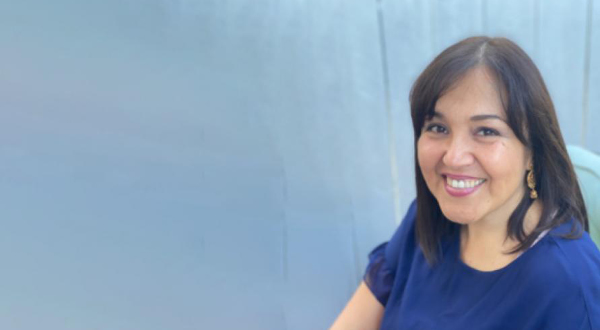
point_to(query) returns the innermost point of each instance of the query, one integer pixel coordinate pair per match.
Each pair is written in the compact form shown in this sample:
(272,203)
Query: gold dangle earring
(531,183)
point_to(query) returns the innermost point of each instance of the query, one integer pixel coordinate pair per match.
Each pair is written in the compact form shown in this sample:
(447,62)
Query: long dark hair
(532,118)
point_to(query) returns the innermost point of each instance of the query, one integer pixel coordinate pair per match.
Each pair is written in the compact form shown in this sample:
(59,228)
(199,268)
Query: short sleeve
(390,257)
(378,276)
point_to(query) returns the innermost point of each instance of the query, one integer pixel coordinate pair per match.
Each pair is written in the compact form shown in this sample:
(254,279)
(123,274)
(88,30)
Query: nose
(459,152)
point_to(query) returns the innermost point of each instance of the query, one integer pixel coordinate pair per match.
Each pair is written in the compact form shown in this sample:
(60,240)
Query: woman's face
(470,158)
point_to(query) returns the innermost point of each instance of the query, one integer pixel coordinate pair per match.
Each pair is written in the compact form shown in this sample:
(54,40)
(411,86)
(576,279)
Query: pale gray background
(221,164)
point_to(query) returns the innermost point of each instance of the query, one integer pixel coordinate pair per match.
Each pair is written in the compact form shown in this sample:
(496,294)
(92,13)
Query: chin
(460,215)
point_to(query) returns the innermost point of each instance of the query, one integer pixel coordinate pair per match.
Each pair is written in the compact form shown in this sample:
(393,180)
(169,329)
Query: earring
(531,184)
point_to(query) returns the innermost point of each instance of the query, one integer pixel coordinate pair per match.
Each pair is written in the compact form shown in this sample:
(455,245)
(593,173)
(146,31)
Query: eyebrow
(437,114)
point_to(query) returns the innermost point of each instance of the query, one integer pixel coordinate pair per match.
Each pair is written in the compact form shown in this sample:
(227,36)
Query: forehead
(476,93)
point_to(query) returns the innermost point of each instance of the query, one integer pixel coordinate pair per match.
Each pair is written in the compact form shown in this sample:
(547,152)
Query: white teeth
(462,184)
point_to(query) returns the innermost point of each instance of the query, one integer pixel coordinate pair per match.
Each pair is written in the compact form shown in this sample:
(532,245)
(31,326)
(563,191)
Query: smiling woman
(474,166)
(497,236)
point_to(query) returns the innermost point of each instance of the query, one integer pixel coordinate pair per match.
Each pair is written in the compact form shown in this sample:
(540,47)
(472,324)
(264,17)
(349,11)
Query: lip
(459,177)
(460,192)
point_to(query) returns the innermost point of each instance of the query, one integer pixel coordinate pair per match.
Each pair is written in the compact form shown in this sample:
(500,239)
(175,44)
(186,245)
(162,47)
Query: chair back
(587,168)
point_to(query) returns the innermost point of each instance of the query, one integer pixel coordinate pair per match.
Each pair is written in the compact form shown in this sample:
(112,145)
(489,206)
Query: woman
(496,238)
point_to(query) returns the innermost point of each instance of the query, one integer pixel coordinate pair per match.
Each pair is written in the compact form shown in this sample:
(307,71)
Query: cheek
(504,162)
(428,154)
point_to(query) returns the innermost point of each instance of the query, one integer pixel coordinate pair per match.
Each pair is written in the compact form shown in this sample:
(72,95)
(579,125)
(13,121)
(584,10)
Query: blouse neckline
(523,256)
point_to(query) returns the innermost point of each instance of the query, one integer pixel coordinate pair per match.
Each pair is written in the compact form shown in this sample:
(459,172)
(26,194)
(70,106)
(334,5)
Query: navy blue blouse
(555,284)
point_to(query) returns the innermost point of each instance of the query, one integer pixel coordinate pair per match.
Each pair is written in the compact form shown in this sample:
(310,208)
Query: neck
(485,244)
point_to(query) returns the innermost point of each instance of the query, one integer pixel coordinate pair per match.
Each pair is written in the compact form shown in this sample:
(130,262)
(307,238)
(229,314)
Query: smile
(461,184)
(460,187)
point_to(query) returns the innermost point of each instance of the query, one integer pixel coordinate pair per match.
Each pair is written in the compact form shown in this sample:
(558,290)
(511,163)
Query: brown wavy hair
(532,118)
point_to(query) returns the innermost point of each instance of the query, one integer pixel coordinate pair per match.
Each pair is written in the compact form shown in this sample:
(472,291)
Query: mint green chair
(587,168)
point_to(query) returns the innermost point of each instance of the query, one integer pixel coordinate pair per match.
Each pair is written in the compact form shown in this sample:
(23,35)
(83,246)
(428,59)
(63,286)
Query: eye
(485,131)
(436,128)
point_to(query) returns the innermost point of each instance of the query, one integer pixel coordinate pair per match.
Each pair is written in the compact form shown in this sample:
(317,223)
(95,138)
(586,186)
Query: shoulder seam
(579,286)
